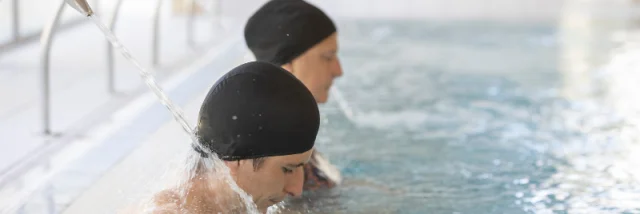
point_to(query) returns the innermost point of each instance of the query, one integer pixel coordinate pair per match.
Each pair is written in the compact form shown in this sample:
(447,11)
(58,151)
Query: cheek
(322,73)
(269,183)
(333,69)
(313,76)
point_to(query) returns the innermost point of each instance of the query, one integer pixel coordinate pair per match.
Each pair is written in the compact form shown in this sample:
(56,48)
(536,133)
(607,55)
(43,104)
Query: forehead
(328,44)
(292,159)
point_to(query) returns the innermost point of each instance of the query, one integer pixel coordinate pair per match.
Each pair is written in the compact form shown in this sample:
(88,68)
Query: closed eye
(328,57)
(287,170)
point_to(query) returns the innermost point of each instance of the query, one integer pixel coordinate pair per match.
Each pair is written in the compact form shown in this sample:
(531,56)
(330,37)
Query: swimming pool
(473,117)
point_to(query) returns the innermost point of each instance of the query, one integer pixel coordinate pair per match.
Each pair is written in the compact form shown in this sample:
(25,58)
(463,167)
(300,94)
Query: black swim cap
(282,30)
(258,110)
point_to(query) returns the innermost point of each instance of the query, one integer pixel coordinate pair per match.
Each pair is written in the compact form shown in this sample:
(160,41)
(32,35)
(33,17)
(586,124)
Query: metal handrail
(47,37)
(16,20)
(190,24)
(190,20)
(18,37)
(110,55)
(156,26)
(81,6)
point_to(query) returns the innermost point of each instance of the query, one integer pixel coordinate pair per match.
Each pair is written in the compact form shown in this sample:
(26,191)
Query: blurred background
(494,106)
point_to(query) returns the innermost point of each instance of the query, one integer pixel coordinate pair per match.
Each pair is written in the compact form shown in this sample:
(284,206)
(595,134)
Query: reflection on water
(475,117)
(602,72)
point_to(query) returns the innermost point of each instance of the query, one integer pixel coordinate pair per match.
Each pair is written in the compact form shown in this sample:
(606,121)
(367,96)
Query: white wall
(421,9)
(444,9)
(33,15)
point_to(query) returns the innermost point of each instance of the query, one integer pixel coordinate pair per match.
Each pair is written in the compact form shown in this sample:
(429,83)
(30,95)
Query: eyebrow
(331,52)
(295,165)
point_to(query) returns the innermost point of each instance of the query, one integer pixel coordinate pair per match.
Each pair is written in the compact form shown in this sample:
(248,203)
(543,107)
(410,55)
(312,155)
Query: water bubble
(238,136)
(465,173)
(561,196)
(234,117)
(521,181)
(496,162)
(559,207)
(540,206)
(493,91)
(259,127)
(287,34)
(519,194)
(485,176)
(325,121)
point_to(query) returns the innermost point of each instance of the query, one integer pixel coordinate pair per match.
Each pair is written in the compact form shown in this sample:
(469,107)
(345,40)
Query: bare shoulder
(172,202)
(166,202)
(166,197)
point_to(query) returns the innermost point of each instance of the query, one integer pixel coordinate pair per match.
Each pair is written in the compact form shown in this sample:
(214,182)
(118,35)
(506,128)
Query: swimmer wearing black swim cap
(302,39)
(262,122)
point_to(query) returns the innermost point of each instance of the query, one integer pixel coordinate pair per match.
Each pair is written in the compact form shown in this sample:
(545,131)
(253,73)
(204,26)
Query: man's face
(317,67)
(276,178)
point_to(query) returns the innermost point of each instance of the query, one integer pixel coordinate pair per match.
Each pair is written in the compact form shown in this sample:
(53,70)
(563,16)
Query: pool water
(474,117)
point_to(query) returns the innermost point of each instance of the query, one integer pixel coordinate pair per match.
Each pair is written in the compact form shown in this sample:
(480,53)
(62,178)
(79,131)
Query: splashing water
(343,104)
(374,119)
(213,163)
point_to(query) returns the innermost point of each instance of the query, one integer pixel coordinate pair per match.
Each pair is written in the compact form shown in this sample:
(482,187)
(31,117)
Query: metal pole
(110,56)
(156,28)
(218,12)
(190,24)
(217,9)
(81,6)
(16,20)
(45,39)
(217,17)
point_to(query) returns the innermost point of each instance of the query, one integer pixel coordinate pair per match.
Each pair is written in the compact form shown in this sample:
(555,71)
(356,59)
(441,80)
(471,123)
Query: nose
(338,69)
(295,182)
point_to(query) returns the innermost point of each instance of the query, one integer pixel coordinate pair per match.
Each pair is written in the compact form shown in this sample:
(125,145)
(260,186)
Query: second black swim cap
(282,30)
(258,110)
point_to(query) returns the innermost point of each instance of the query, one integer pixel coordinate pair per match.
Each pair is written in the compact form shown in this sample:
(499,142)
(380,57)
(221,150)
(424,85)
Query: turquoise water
(473,118)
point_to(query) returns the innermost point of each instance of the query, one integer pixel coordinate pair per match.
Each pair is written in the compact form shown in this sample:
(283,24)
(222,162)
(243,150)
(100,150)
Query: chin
(321,96)
(322,99)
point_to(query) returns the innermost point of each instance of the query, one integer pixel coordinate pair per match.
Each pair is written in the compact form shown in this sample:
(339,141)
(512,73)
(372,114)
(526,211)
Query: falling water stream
(213,163)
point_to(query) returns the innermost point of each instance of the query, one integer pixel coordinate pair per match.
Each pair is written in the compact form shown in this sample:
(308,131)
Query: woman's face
(318,67)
